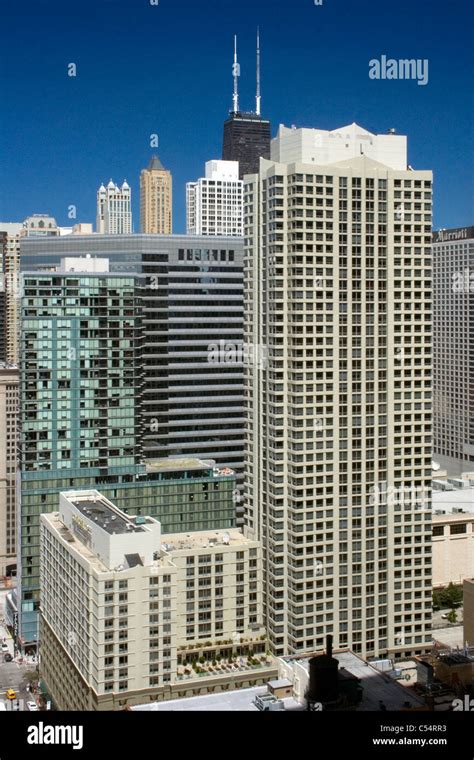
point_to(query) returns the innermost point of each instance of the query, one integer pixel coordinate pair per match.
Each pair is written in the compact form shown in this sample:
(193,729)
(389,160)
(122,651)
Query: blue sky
(166,69)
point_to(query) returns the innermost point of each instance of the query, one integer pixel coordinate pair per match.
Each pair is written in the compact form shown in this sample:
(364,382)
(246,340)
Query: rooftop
(376,686)
(183,464)
(450,501)
(170,465)
(111,520)
(204,540)
(156,165)
(227,701)
(132,560)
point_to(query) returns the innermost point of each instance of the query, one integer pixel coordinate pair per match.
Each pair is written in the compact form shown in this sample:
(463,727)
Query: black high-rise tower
(247,135)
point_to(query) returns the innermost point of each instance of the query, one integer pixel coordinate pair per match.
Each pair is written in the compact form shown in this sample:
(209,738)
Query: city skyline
(91,129)
(237,362)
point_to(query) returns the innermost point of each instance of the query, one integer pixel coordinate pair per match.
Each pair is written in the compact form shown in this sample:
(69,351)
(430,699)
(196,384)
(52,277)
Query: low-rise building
(289,690)
(127,618)
(453,536)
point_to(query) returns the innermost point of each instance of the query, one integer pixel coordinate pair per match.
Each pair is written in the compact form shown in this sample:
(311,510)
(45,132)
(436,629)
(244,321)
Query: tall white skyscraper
(214,202)
(338,454)
(114,209)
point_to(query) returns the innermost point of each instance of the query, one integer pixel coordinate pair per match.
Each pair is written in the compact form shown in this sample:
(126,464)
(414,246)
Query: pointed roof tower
(156,164)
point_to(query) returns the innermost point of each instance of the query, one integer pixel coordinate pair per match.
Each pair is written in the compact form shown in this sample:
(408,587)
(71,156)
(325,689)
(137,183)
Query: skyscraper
(80,412)
(214,204)
(247,135)
(11,235)
(338,453)
(8,467)
(114,209)
(10,253)
(156,199)
(453,348)
(191,303)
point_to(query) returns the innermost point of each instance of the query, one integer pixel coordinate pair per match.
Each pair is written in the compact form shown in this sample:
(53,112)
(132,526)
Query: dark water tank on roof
(323,677)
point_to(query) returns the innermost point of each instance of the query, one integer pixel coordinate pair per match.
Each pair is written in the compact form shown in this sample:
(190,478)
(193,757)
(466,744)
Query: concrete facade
(9,427)
(337,288)
(453,536)
(115,634)
(214,204)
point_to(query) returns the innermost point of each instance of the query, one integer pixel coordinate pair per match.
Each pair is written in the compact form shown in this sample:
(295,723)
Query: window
(457,529)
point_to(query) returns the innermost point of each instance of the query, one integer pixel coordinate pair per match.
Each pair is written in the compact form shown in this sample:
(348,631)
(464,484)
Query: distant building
(453,348)
(40,225)
(247,138)
(215,202)
(9,290)
(123,612)
(9,400)
(156,199)
(247,135)
(37,226)
(114,209)
(82,228)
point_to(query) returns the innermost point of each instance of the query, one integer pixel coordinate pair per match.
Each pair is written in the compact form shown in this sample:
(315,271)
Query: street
(16,674)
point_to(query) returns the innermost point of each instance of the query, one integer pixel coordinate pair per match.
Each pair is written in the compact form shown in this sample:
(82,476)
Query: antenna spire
(236,75)
(258,98)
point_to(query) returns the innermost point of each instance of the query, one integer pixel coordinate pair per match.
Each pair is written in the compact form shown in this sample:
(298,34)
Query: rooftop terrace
(204,540)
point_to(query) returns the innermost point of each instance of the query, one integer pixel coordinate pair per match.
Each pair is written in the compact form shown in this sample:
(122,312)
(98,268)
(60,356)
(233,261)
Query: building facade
(9,414)
(119,606)
(40,225)
(192,317)
(337,288)
(247,138)
(156,199)
(214,204)
(453,348)
(82,416)
(80,412)
(453,536)
(10,235)
(114,209)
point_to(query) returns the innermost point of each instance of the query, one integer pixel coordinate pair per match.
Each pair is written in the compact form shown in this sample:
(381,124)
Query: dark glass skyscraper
(246,139)
(247,135)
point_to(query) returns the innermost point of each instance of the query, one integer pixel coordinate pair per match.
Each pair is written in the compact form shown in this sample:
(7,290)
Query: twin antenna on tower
(236,73)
